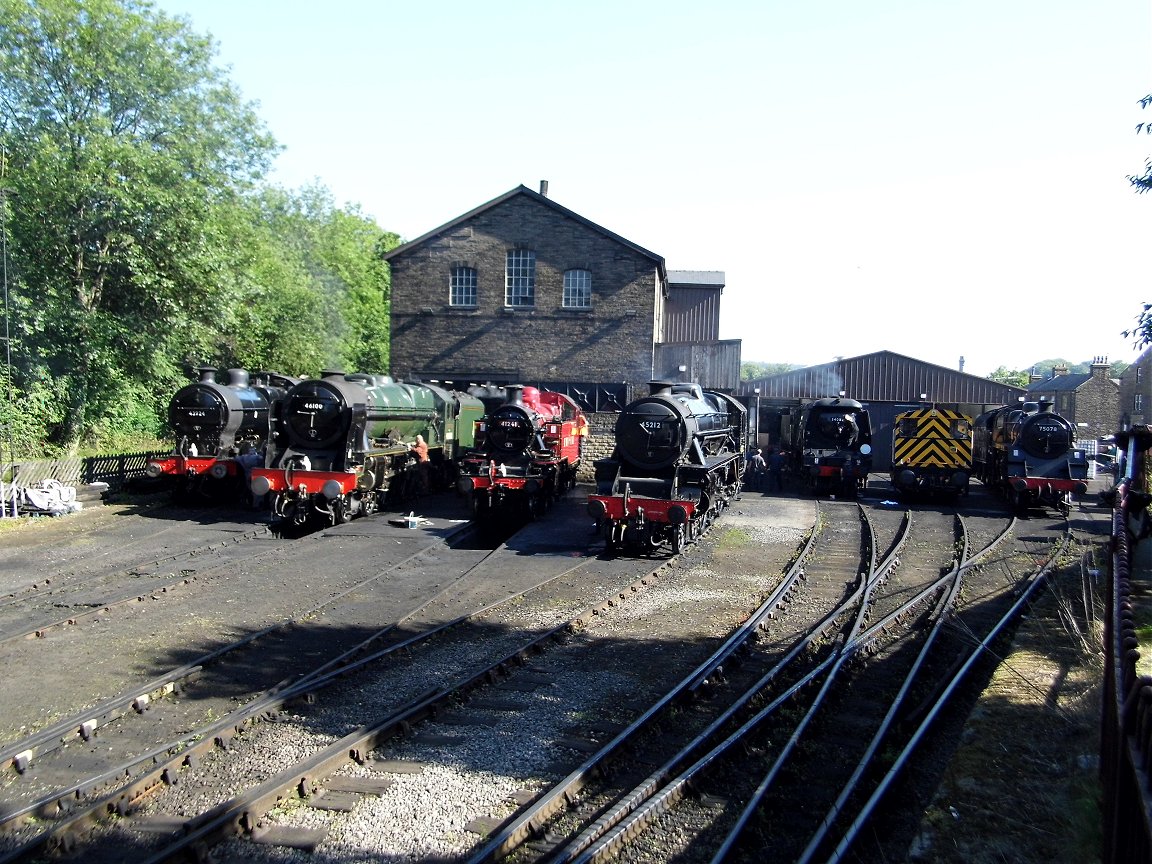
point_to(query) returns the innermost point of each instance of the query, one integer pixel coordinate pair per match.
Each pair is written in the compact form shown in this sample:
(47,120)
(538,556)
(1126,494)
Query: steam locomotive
(676,465)
(830,445)
(526,453)
(342,443)
(1028,453)
(931,452)
(220,429)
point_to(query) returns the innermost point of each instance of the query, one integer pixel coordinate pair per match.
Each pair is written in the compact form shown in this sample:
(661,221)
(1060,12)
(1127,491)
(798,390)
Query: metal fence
(1126,727)
(115,470)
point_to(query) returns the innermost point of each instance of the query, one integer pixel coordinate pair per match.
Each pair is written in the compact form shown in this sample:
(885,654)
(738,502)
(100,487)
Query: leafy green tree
(1143,182)
(313,270)
(1011,377)
(1141,333)
(751,370)
(127,152)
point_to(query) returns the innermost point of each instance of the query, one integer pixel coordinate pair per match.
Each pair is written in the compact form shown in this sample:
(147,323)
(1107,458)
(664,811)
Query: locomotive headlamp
(154,470)
(596,509)
(219,470)
(260,486)
(331,490)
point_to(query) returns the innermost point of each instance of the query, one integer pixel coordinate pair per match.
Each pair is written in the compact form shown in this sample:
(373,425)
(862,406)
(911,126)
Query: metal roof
(884,376)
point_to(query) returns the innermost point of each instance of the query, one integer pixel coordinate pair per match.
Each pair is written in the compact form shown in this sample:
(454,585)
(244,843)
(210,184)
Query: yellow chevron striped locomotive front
(932,451)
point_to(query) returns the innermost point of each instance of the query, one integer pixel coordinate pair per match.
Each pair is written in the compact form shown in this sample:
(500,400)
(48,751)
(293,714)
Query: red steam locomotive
(526,453)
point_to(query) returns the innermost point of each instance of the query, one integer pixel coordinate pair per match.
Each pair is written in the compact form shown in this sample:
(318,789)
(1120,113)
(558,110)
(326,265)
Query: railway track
(488,722)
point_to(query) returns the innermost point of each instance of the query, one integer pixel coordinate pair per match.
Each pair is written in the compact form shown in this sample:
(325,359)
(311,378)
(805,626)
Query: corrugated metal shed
(692,310)
(887,377)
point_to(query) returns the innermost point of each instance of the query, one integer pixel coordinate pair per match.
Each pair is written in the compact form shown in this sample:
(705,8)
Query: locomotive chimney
(1046,405)
(544,188)
(332,373)
(207,375)
(659,388)
(515,393)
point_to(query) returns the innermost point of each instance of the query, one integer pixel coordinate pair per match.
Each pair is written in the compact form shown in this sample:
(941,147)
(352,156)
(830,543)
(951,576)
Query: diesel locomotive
(829,442)
(342,443)
(931,452)
(1028,453)
(220,429)
(676,465)
(526,453)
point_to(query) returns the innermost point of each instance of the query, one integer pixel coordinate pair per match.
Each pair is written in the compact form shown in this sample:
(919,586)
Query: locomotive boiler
(220,429)
(526,453)
(676,465)
(830,445)
(1028,453)
(931,452)
(343,443)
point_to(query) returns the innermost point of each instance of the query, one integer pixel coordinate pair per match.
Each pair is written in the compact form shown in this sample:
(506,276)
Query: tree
(1012,377)
(312,268)
(1141,334)
(128,153)
(1143,182)
(751,370)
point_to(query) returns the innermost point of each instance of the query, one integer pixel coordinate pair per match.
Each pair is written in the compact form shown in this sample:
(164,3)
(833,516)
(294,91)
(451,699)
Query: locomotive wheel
(340,512)
(678,540)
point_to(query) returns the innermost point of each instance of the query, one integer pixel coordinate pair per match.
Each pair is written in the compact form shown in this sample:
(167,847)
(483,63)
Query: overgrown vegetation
(142,238)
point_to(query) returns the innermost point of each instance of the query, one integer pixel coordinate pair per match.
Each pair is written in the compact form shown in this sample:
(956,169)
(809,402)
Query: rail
(1126,726)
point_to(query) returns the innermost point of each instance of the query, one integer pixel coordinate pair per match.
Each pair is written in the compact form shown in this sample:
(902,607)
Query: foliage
(142,242)
(1141,334)
(311,268)
(1143,182)
(751,370)
(126,147)
(1011,377)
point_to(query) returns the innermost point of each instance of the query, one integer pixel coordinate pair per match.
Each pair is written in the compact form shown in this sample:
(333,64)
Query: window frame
(520,279)
(581,292)
(458,285)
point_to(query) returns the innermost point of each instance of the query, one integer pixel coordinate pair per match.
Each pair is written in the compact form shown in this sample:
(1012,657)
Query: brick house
(523,290)
(1090,401)
(1136,393)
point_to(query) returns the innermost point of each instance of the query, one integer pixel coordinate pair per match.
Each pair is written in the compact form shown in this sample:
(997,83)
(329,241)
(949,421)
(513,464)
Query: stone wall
(611,341)
(599,443)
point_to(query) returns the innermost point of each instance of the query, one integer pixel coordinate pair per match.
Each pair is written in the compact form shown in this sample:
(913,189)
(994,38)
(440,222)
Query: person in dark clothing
(776,471)
(756,469)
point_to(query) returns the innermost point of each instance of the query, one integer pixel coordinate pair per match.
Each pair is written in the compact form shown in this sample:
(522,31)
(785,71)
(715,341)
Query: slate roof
(543,199)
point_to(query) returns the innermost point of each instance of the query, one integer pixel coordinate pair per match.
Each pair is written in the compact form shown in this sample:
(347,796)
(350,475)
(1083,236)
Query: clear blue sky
(939,179)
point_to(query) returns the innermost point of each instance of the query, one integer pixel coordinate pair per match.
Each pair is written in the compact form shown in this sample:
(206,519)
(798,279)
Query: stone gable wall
(610,342)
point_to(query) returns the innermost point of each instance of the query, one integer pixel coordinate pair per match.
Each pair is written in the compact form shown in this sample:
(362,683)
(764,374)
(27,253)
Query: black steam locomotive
(341,443)
(830,445)
(676,465)
(221,430)
(1028,453)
